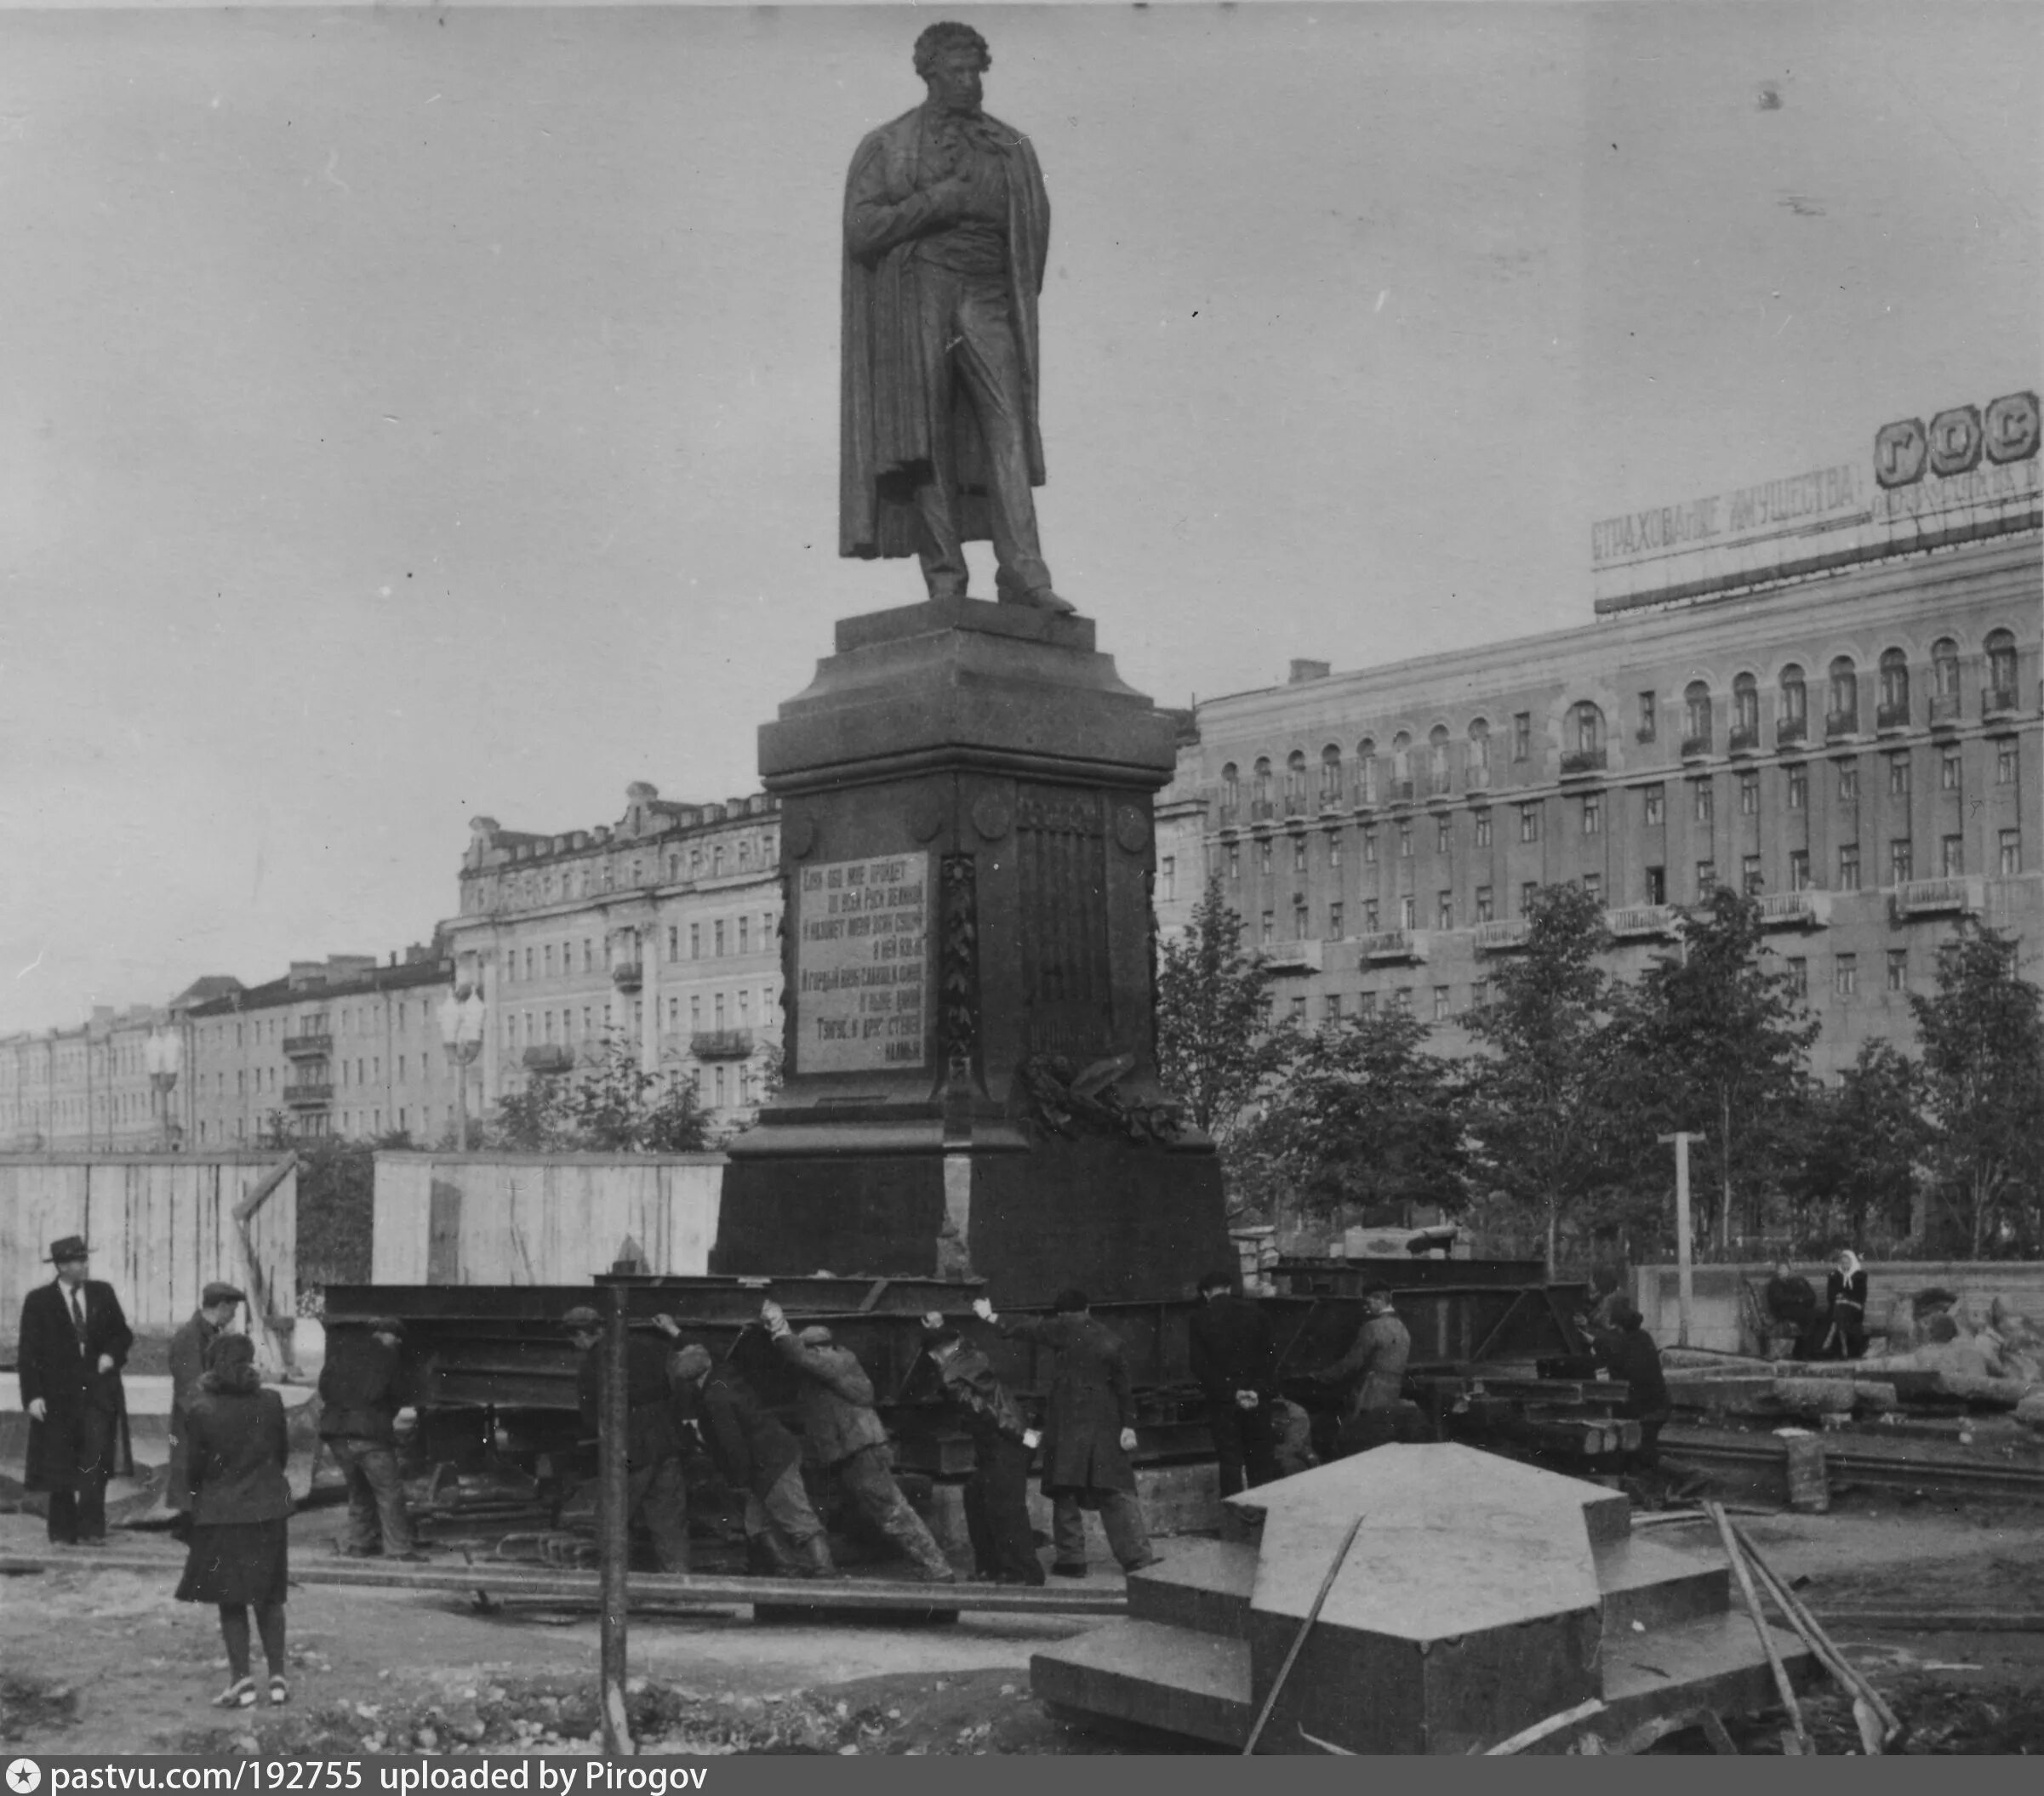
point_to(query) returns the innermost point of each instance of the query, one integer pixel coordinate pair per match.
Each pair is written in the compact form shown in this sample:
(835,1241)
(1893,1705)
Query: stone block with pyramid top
(970,1080)
(1480,1596)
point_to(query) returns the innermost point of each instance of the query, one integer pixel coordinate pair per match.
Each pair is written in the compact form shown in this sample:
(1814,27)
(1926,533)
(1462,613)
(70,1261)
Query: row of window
(1589,808)
(535,1027)
(561,885)
(1443,1008)
(1584,731)
(715,940)
(1901,869)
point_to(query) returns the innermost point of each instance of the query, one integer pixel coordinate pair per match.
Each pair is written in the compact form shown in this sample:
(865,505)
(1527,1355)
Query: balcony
(1805,909)
(1891,719)
(1946,709)
(1744,739)
(1402,792)
(1639,922)
(312,1042)
(551,1057)
(1394,944)
(1696,748)
(1838,725)
(1791,730)
(308,1094)
(1578,763)
(1439,786)
(1330,799)
(1262,810)
(628,976)
(1938,897)
(721,1044)
(1477,780)
(1229,816)
(1997,701)
(1366,794)
(1295,804)
(1292,957)
(1504,935)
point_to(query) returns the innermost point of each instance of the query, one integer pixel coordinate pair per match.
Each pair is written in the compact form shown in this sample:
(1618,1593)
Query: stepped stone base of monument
(1480,1597)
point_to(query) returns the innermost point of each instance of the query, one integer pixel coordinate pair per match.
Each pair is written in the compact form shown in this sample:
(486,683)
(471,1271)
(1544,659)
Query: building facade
(340,1046)
(85,1089)
(663,926)
(1857,743)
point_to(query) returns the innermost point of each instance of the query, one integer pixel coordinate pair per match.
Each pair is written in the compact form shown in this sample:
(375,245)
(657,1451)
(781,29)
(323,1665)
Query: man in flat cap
(213,1317)
(74,1342)
(844,1437)
(655,1493)
(362,1388)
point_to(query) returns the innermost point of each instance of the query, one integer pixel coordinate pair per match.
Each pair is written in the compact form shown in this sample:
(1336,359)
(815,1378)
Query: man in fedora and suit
(74,1341)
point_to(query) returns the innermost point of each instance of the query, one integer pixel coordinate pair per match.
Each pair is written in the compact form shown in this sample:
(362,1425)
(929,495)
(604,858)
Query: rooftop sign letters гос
(1973,472)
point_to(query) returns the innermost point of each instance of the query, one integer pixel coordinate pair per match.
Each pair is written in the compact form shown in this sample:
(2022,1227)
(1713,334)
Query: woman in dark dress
(237,1558)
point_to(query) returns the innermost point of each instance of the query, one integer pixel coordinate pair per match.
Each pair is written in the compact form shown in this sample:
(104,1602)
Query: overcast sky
(417,414)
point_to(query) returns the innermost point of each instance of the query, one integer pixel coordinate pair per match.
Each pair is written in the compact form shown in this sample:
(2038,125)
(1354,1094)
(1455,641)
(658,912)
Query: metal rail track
(500,1581)
(1862,1466)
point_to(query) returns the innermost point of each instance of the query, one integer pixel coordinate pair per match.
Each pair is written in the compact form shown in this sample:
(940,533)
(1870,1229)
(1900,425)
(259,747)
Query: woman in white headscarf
(1845,1296)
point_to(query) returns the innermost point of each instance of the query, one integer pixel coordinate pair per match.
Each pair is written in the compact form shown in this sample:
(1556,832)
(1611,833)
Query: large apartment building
(1831,700)
(339,1046)
(664,926)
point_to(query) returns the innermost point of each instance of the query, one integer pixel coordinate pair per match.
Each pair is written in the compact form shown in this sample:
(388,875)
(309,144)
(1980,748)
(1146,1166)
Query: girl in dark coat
(241,1502)
(1845,1304)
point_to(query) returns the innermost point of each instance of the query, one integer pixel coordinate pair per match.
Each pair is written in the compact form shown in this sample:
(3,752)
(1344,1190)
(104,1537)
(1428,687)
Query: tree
(1716,1044)
(1856,1169)
(1215,1046)
(608,1105)
(1366,1117)
(1542,1117)
(1983,1035)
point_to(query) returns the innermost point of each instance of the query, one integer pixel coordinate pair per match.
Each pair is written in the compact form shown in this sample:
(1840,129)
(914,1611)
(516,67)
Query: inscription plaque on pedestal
(861,935)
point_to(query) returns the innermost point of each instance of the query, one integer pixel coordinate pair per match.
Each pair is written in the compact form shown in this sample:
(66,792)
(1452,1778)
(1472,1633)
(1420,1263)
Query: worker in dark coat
(997,1495)
(1373,1375)
(1845,1308)
(362,1388)
(237,1558)
(1088,1433)
(1790,1302)
(73,1343)
(758,1459)
(213,1317)
(844,1437)
(656,1493)
(1235,1361)
(1630,1353)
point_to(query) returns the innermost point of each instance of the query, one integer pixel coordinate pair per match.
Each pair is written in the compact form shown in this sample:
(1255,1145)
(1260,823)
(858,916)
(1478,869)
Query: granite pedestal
(1480,1597)
(970,1074)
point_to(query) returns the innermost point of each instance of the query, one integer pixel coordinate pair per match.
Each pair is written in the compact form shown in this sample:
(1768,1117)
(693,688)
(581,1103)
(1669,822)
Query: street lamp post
(461,1014)
(163,1054)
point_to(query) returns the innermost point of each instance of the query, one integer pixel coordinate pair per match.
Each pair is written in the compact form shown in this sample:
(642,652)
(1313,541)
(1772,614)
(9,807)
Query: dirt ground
(386,1670)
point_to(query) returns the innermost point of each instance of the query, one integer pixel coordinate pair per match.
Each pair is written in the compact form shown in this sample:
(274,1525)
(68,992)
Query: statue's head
(951,58)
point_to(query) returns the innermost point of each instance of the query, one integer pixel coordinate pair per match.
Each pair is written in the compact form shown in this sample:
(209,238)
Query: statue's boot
(1010,591)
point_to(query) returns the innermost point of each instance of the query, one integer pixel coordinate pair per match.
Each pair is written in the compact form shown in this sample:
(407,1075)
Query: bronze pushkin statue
(946,228)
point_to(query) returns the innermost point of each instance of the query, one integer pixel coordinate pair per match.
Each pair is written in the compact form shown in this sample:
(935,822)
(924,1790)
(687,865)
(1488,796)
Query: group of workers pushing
(678,1398)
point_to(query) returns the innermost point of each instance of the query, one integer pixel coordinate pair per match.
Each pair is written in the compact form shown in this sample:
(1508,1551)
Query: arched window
(1945,669)
(1232,789)
(1478,756)
(1295,782)
(2001,669)
(1263,785)
(1894,689)
(1436,759)
(1586,727)
(1696,715)
(1842,711)
(1745,708)
(1330,776)
(1795,703)
(1402,759)
(1366,770)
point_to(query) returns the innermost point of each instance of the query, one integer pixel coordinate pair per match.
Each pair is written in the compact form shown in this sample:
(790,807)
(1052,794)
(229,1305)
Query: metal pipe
(1743,1574)
(614,1512)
